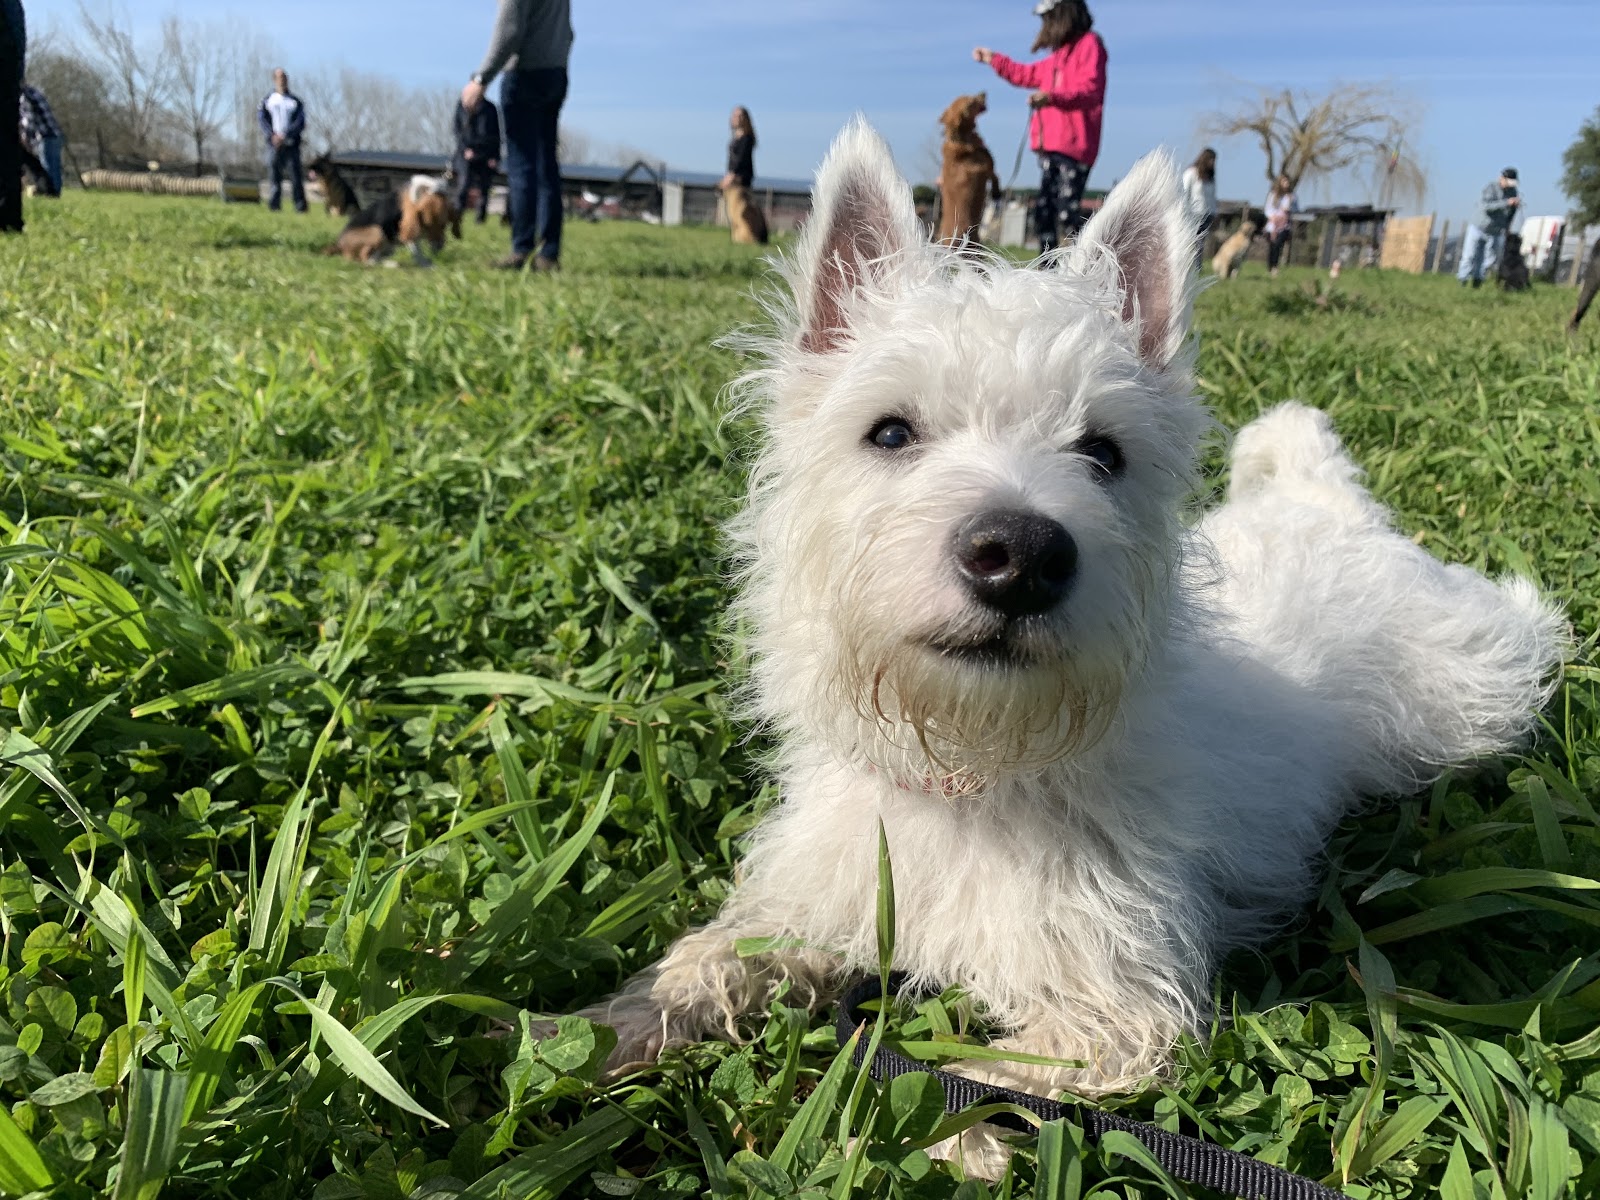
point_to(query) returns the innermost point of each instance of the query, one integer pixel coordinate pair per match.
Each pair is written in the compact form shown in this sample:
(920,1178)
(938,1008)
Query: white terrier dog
(1105,745)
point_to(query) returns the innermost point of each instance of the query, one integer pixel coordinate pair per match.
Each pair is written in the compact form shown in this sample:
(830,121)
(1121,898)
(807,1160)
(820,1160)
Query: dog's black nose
(1017,563)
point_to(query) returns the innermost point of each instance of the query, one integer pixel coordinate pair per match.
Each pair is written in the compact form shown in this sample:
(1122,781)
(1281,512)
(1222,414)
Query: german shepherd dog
(340,197)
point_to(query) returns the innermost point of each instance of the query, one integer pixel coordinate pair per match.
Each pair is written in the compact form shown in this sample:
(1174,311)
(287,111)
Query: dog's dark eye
(1105,454)
(892,433)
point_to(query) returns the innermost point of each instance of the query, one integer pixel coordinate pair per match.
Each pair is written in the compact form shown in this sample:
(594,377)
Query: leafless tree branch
(1357,127)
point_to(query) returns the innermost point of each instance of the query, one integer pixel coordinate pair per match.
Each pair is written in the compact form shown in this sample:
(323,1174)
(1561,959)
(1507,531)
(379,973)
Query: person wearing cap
(1068,98)
(531,42)
(1480,248)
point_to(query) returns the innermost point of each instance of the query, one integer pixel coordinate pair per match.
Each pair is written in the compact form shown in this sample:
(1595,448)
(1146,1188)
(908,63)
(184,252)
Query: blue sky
(1496,84)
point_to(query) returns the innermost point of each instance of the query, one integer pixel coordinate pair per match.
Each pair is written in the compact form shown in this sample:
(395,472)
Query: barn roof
(598,173)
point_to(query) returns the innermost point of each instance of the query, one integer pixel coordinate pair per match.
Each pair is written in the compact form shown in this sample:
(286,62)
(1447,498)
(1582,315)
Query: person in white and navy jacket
(283,119)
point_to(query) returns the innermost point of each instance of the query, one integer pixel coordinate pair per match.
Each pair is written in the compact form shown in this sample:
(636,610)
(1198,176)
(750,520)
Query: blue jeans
(530,103)
(281,159)
(1480,252)
(51,157)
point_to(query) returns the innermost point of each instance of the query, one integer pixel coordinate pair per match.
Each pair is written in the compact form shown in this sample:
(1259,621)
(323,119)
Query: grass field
(361,679)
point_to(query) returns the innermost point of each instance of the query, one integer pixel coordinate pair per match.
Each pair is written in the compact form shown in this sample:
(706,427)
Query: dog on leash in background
(1105,745)
(967,174)
(420,211)
(1231,254)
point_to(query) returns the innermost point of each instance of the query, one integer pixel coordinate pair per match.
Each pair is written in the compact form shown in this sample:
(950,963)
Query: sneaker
(511,262)
(541,263)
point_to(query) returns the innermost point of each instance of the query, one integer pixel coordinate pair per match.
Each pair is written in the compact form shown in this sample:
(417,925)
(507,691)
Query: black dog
(1512,271)
(341,199)
(1591,285)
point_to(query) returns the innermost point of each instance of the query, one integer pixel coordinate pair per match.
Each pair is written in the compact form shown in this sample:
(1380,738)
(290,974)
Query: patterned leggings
(1058,211)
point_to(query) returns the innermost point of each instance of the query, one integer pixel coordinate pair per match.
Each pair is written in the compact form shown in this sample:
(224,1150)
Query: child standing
(1069,91)
(1281,207)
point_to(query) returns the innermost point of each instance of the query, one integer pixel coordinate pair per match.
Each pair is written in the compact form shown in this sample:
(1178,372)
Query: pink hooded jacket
(1074,79)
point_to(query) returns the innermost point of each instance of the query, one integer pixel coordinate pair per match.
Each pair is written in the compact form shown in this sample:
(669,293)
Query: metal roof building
(674,197)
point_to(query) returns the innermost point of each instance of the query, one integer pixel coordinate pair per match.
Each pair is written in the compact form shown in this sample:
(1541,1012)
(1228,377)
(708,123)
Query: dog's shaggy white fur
(1085,805)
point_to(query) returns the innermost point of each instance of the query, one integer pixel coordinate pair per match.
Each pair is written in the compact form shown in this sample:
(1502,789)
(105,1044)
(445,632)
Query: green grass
(362,692)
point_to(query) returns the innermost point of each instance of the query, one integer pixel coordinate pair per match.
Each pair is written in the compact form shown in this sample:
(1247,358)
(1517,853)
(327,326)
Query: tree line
(186,97)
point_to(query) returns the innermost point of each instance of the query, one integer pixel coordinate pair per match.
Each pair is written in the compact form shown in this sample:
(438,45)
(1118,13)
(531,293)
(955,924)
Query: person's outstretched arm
(1029,75)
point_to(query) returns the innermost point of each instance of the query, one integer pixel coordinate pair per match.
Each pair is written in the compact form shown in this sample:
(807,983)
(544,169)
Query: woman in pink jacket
(1069,92)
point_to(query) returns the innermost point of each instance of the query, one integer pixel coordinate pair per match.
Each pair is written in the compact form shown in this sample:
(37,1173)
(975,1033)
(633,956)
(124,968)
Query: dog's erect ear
(861,220)
(1146,229)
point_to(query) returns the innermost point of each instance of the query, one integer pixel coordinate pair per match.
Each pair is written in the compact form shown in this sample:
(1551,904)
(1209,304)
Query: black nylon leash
(1185,1158)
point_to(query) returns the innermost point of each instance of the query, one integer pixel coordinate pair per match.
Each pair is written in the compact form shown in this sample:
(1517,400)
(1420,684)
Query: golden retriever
(967,173)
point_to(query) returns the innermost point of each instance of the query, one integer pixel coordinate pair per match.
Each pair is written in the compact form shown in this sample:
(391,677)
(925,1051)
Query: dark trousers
(13,43)
(530,103)
(286,159)
(1278,247)
(1201,238)
(1058,210)
(474,173)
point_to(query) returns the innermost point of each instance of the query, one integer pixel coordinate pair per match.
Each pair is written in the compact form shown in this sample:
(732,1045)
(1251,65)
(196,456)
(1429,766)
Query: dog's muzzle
(1015,563)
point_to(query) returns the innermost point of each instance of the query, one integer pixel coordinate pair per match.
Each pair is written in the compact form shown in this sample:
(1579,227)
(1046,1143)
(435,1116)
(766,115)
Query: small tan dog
(420,211)
(748,222)
(967,173)
(1230,256)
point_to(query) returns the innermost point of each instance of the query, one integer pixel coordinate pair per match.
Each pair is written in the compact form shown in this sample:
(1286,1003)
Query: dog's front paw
(641,1029)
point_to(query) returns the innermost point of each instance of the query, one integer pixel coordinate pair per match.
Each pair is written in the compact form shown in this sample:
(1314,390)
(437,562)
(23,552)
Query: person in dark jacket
(13,47)
(283,120)
(748,222)
(42,133)
(477,154)
(1480,247)
(531,42)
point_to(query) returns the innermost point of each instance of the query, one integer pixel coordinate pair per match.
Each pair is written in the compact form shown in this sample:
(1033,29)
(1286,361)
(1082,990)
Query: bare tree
(254,56)
(79,98)
(574,145)
(1355,127)
(436,119)
(138,77)
(360,110)
(200,61)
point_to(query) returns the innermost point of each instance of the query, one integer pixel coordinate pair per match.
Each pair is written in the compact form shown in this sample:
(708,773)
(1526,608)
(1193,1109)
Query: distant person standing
(1200,189)
(1280,208)
(477,153)
(283,119)
(1068,101)
(41,132)
(748,222)
(531,42)
(13,52)
(1480,248)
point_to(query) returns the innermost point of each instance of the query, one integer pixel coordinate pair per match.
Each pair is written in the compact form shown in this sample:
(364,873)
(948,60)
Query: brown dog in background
(967,173)
(1228,259)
